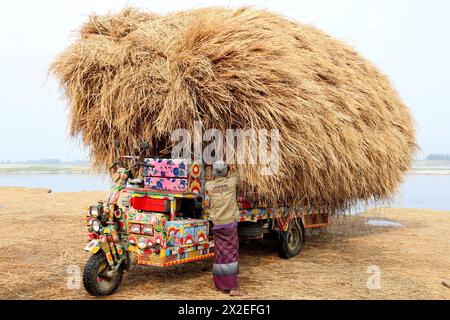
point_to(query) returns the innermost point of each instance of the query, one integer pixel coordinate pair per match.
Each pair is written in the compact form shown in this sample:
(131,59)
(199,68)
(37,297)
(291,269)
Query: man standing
(224,213)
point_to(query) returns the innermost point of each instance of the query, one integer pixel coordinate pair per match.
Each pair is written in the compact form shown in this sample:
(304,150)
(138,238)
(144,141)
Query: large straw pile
(346,135)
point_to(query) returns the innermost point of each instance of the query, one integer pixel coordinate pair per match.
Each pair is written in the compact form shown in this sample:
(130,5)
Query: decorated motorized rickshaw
(161,219)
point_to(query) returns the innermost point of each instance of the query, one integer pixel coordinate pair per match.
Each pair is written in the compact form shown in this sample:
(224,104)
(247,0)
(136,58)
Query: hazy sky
(407,39)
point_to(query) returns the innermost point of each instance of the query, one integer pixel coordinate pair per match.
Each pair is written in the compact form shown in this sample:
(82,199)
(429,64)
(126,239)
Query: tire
(96,284)
(250,230)
(291,242)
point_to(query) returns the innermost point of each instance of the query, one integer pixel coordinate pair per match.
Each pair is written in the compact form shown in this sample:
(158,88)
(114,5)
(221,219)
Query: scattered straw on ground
(43,234)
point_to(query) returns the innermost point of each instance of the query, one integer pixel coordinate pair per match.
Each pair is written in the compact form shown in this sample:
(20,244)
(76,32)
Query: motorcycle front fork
(114,253)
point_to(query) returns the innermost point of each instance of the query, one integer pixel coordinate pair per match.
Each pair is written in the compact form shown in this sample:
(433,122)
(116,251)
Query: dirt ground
(43,234)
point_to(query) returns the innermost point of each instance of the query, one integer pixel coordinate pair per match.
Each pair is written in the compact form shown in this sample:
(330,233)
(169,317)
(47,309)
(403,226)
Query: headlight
(96,225)
(142,243)
(94,211)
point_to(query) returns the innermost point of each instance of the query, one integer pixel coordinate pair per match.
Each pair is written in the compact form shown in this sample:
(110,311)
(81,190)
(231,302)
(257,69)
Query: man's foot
(237,293)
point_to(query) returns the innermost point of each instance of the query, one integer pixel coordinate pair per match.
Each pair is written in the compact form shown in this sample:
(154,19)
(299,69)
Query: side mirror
(117,143)
(143,145)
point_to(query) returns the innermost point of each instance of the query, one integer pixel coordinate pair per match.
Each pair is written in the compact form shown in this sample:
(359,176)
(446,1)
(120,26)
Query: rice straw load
(345,134)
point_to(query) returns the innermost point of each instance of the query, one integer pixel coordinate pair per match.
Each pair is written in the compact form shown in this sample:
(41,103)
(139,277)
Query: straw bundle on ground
(345,134)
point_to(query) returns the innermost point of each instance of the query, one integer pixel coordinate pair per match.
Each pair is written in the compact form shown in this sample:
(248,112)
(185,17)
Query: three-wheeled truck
(163,221)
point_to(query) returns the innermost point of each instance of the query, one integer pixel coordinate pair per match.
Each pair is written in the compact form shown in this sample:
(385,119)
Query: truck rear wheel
(291,241)
(98,278)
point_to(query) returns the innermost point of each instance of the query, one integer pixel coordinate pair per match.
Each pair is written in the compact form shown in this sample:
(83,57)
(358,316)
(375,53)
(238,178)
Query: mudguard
(93,246)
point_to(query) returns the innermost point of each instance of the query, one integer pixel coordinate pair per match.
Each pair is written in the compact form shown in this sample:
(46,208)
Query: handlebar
(142,164)
(114,164)
(129,157)
(134,165)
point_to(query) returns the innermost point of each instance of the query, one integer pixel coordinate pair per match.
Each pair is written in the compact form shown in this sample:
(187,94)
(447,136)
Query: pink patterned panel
(166,184)
(166,168)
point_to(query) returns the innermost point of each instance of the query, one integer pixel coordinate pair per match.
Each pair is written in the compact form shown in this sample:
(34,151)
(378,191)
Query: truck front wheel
(291,241)
(98,277)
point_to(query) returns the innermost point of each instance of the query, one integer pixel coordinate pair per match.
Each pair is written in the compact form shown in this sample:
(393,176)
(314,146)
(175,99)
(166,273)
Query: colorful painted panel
(201,234)
(173,233)
(146,225)
(166,168)
(195,170)
(185,233)
(188,236)
(156,219)
(165,262)
(168,184)
(196,179)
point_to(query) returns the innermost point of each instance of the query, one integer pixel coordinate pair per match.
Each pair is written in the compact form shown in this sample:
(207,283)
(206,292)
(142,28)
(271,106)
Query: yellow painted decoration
(109,258)
(163,263)
(113,248)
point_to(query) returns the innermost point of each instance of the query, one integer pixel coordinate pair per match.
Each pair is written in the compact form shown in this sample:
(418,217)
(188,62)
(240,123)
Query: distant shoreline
(420,168)
(428,172)
(428,167)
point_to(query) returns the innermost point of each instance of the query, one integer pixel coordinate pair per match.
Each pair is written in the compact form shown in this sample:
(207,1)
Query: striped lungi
(226,251)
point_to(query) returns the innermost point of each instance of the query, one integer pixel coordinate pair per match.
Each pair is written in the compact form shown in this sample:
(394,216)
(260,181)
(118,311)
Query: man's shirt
(223,208)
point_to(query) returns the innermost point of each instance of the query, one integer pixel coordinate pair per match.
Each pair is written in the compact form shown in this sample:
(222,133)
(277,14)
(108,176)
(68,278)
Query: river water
(58,182)
(418,191)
